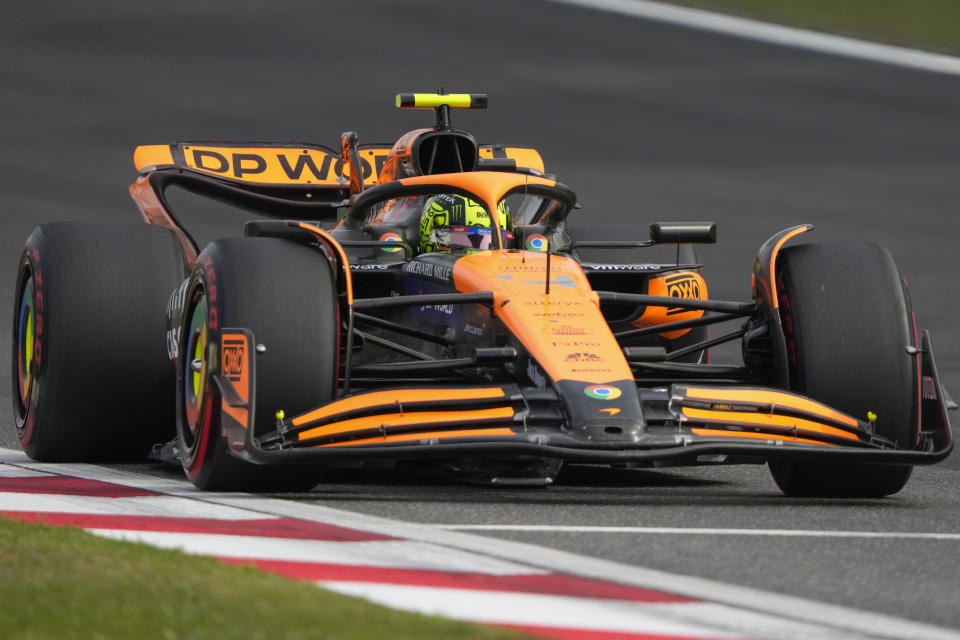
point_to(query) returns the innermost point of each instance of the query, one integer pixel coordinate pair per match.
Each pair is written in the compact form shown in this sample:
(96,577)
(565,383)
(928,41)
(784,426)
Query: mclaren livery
(343,329)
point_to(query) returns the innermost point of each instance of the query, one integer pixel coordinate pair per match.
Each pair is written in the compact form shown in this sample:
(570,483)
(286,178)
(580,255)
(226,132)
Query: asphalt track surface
(646,121)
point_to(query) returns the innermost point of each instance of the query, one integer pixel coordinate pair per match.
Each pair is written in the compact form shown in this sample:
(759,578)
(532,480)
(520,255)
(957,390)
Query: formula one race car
(425,301)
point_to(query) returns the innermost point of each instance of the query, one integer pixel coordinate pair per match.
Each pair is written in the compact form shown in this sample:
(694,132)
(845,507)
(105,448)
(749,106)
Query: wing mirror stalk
(351,157)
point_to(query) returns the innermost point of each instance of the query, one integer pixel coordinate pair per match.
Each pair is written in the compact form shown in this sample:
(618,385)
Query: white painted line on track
(743,611)
(797,533)
(381,553)
(170,506)
(531,609)
(776,34)
(19,472)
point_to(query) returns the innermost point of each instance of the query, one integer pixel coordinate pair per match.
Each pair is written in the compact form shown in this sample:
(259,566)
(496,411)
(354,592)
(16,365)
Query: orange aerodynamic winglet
(767,413)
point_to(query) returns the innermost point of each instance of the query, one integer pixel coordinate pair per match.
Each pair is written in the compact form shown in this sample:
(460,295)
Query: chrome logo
(390,237)
(535,242)
(602,392)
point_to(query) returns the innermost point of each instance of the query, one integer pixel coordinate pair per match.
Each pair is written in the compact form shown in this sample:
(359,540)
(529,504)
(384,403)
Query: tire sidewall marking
(27,408)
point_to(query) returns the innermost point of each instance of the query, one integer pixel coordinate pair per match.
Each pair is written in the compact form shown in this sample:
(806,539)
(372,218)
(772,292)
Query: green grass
(924,24)
(61,582)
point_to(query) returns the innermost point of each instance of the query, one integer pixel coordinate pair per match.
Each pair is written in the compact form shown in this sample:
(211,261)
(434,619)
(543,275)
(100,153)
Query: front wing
(683,423)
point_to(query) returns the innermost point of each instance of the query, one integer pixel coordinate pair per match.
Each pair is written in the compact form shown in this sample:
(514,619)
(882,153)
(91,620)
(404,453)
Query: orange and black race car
(364,318)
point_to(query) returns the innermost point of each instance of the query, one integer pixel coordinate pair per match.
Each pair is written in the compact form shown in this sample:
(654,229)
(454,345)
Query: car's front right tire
(91,377)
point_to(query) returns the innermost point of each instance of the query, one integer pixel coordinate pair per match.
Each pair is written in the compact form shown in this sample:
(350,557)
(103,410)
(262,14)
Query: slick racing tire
(91,377)
(284,293)
(848,323)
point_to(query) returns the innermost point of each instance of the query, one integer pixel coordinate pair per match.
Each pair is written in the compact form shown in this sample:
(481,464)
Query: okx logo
(234,358)
(683,285)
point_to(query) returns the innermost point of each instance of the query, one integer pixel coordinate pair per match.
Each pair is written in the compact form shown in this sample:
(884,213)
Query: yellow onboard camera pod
(442,103)
(434,100)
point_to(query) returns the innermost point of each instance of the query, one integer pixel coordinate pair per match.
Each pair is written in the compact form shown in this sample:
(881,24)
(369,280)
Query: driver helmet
(451,222)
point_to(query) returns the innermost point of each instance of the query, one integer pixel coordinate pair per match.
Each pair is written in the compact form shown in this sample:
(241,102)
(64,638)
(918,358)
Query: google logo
(602,392)
(390,237)
(535,242)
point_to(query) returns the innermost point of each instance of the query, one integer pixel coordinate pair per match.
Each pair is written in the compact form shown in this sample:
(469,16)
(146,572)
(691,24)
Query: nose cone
(607,412)
(565,334)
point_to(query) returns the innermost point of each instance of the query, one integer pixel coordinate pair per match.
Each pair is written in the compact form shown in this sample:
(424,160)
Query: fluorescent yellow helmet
(451,222)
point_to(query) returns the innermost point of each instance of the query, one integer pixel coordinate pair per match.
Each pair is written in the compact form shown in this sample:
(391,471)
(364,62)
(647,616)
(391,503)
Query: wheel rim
(26,346)
(195,370)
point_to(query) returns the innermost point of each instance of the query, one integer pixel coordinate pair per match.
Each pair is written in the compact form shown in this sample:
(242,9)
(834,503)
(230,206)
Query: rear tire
(848,322)
(284,293)
(91,377)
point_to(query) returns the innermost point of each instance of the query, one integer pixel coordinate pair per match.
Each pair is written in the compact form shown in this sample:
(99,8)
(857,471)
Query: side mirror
(684,232)
(351,157)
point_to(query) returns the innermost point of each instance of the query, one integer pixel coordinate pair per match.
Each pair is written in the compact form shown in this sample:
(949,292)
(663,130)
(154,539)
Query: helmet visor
(471,238)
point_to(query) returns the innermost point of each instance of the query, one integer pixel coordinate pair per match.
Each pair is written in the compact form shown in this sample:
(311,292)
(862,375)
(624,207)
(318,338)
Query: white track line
(19,472)
(408,554)
(797,533)
(776,34)
(168,506)
(532,609)
(843,622)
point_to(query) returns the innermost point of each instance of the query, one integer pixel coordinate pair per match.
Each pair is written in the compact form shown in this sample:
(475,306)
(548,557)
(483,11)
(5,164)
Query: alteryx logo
(602,392)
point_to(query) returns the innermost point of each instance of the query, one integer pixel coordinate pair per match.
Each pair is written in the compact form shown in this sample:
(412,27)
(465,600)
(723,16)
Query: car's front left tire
(851,343)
